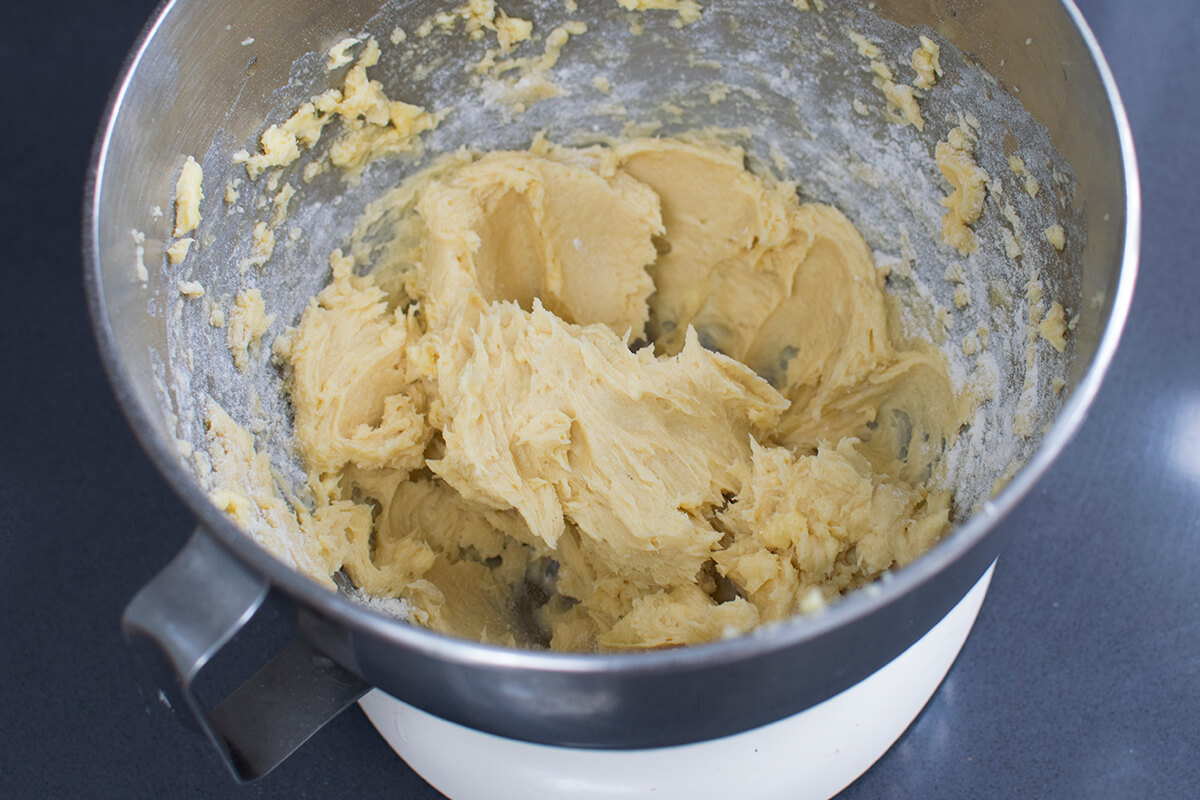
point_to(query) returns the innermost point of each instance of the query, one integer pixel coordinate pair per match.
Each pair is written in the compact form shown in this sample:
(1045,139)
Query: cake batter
(623,397)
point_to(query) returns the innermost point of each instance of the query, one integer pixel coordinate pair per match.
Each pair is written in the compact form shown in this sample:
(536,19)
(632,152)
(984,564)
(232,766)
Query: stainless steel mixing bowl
(195,84)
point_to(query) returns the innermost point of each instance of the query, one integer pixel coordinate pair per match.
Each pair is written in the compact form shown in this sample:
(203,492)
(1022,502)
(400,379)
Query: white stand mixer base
(813,754)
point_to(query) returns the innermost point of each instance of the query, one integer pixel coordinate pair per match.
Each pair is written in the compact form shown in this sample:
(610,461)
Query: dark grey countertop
(1081,679)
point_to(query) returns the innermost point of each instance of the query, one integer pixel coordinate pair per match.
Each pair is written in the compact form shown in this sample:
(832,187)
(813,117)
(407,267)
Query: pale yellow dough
(956,160)
(374,125)
(247,323)
(640,398)
(927,63)
(178,251)
(689,10)
(902,102)
(188,195)
(1056,236)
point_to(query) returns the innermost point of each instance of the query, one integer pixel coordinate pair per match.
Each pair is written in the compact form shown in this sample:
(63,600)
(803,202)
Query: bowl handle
(189,611)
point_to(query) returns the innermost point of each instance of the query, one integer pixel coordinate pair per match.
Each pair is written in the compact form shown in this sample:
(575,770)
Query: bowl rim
(766,639)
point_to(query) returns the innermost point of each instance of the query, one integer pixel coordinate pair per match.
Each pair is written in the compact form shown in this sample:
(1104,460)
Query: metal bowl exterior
(161,109)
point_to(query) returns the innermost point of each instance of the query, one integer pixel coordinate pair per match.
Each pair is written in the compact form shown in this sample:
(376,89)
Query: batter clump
(619,397)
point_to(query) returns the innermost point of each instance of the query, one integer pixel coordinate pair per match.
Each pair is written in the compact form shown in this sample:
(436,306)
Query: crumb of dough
(804,5)
(339,54)
(511,30)
(522,82)
(156,212)
(962,295)
(1014,243)
(602,84)
(1056,236)
(954,273)
(188,195)
(280,202)
(1057,385)
(1053,327)
(689,10)
(860,108)
(1034,292)
(314,168)
(373,124)
(231,191)
(1010,243)
(192,289)
(556,41)
(751,462)
(248,321)
(216,317)
(717,93)
(901,101)
(955,158)
(927,63)
(178,251)
(279,143)
(398,35)
(139,255)
(262,247)
(1017,165)
(866,48)
(971,344)
(899,96)
(477,17)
